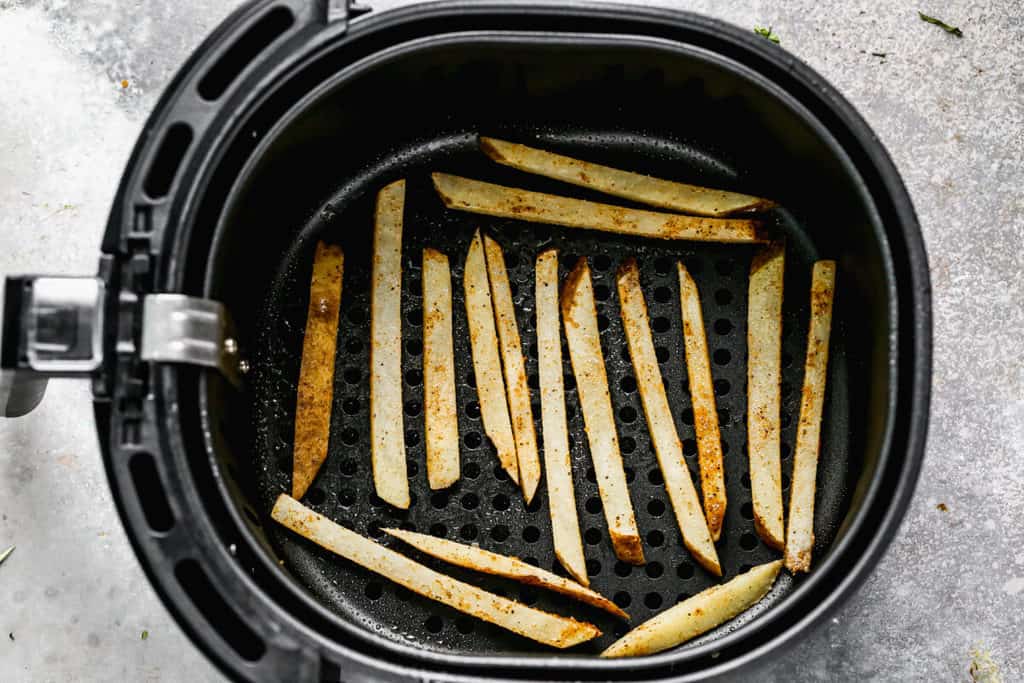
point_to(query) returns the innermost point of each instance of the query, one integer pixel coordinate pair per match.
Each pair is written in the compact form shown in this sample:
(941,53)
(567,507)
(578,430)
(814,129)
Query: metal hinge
(344,10)
(183,329)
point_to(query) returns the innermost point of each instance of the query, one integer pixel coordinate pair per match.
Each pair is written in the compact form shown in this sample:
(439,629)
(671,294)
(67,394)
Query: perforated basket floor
(485,507)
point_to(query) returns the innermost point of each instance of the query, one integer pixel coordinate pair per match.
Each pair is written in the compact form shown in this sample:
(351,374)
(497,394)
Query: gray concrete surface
(951,112)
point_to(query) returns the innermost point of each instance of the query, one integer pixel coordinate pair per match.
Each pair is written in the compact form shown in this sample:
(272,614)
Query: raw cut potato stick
(565,525)
(478,559)
(387,437)
(579,315)
(764,375)
(439,404)
(660,423)
(702,397)
(316,375)
(666,194)
(800,537)
(483,340)
(543,627)
(699,614)
(476,196)
(520,411)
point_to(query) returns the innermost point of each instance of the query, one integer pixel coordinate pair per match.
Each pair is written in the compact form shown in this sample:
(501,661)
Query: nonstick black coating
(484,507)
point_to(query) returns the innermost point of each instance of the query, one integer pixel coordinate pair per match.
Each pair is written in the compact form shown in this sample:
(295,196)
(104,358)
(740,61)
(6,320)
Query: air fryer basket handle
(51,327)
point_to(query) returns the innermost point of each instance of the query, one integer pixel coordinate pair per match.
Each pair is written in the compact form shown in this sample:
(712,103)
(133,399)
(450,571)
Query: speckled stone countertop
(76,605)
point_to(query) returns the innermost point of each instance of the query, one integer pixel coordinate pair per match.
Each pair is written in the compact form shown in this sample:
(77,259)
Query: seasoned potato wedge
(699,614)
(543,627)
(565,524)
(478,559)
(387,433)
(800,536)
(666,194)
(476,196)
(483,339)
(702,396)
(316,375)
(580,318)
(660,423)
(439,405)
(520,411)
(764,377)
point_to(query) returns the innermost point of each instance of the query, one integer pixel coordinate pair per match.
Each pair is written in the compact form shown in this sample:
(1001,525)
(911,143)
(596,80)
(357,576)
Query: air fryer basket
(261,165)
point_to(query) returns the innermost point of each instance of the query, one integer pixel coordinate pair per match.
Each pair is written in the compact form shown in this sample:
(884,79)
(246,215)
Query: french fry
(579,316)
(476,196)
(667,446)
(439,406)
(565,524)
(520,411)
(387,436)
(478,559)
(483,339)
(316,375)
(702,397)
(549,629)
(666,194)
(699,614)
(764,374)
(800,535)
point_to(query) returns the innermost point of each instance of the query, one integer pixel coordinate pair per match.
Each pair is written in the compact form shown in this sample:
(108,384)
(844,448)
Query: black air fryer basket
(278,132)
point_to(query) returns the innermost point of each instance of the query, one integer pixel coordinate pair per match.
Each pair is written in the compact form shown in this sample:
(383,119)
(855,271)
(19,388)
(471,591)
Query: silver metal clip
(182,329)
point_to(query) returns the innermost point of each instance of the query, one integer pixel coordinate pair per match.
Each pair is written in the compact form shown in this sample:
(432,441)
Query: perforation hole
(655,477)
(747,511)
(438,530)
(622,599)
(653,600)
(533,381)
(592,536)
(602,262)
(722,387)
(745,481)
(748,541)
(353,375)
(723,297)
(414,347)
(623,569)
(685,571)
(471,380)
(356,316)
(470,501)
(661,353)
(346,498)
(439,500)
(593,567)
(434,624)
(464,625)
(723,326)
(471,470)
(655,508)
(499,533)
(601,293)
(500,502)
(531,534)
(569,382)
(663,265)
(412,438)
(722,357)
(661,325)
(655,539)
(627,414)
(472,440)
(373,590)
(591,475)
(350,406)
(354,346)
(469,532)
(412,469)
(593,505)
(316,496)
(654,569)
(414,377)
(602,322)
(627,444)
(627,384)
(787,360)
(662,295)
